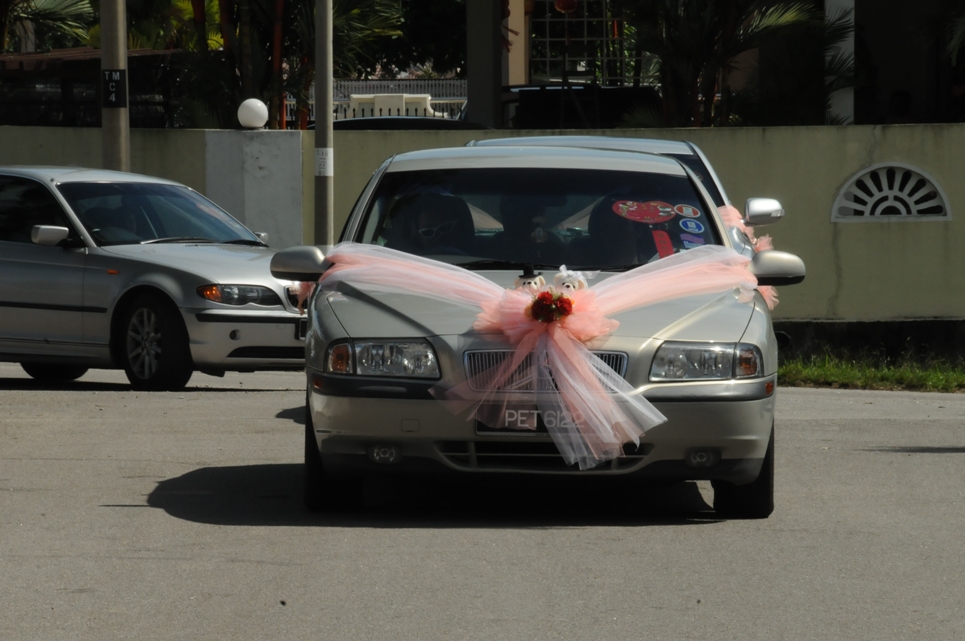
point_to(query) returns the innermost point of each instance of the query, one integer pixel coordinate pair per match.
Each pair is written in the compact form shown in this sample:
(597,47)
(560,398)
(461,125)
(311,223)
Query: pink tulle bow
(733,218)
(596,412)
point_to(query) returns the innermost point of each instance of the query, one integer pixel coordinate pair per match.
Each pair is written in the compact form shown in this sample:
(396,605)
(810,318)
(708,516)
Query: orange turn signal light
(210,292)
(340,359)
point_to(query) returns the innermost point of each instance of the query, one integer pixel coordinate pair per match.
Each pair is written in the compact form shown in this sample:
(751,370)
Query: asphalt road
(177,516)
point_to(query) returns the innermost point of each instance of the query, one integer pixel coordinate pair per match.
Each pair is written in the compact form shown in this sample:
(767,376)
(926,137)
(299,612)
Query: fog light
(702,457)
(384,454)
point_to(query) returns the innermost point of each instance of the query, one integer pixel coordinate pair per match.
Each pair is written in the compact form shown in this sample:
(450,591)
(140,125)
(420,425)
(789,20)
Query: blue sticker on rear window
(692,226)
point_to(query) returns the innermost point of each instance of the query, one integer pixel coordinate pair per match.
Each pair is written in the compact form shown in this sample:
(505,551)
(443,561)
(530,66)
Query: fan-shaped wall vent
(891,192)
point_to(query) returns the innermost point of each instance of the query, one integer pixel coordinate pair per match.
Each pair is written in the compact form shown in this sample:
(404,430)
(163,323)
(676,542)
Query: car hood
(372,314)
(217,263)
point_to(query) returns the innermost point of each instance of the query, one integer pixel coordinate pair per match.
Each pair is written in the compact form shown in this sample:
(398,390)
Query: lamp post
(324,139)
(115,121)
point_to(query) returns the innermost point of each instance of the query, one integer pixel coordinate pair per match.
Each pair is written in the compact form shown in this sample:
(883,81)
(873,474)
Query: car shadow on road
(260,495)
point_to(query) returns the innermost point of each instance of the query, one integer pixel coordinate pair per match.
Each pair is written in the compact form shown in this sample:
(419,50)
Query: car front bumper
(243,341)
(713,431)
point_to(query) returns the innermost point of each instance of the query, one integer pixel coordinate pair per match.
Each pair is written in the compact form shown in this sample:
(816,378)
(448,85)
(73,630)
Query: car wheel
(53,371)
(323,492)
(154,345)
(752,501)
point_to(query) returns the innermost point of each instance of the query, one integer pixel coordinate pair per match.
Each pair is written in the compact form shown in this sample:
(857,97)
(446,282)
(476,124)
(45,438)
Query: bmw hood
(213,262)
(376,314)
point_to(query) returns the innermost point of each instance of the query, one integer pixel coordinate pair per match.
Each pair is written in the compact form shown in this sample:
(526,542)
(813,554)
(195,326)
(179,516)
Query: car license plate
(526,421)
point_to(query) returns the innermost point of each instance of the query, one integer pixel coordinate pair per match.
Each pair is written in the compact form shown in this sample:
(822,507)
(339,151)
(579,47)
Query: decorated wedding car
(535,310)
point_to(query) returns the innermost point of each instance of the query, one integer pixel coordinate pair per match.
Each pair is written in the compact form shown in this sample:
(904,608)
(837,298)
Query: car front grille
(528,456)
(481,368)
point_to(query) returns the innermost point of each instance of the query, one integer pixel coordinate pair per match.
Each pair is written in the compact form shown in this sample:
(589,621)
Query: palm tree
(269,51)
(67,17)
(696,43)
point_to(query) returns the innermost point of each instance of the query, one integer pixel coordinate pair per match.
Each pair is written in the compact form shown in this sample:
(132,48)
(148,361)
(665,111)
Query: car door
(41,288)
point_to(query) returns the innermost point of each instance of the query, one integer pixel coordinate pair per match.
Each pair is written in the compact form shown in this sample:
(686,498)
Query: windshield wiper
(605,268)
(242,241)
(177,239)
(504,264)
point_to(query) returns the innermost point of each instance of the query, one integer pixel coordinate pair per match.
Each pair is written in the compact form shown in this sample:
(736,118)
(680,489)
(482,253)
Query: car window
(696,165)
(23,204)
(130,213)
(580,218)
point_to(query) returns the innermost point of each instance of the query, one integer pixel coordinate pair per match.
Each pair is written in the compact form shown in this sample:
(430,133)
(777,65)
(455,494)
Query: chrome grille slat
(480,366)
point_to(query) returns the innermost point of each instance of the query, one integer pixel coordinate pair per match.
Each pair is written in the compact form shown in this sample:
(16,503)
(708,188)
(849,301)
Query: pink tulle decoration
(604,412)
(732,218)
(302,293)
(769,294)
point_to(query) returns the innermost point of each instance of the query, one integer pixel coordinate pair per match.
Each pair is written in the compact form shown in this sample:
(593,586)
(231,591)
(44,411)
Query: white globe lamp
(253,114)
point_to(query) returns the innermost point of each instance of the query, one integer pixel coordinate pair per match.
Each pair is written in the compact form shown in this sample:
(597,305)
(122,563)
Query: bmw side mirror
(774,267)
(298,263)
(262,236)
(762,211)
(48,235)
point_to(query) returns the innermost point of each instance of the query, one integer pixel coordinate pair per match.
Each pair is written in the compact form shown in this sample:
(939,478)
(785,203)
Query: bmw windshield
(125,213)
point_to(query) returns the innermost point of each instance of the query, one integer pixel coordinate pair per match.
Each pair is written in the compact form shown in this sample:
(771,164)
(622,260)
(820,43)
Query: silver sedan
(378,360)
(115,270)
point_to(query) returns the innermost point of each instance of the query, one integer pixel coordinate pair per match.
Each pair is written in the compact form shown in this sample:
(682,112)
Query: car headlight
(239,294)
(402,358)
(706,362)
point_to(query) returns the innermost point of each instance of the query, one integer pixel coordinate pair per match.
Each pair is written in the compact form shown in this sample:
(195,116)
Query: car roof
(530,156)
(644,145)
(78,174)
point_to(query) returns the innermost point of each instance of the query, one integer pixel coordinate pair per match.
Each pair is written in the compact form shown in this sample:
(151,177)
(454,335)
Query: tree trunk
(244,36)
(276,114)
(227,28)
(200,24)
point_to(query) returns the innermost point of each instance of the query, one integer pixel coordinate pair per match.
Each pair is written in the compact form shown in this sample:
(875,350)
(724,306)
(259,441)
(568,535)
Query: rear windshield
(550,217)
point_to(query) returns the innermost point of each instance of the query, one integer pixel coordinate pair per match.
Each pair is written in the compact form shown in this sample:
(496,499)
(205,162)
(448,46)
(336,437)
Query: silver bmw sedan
(102,269)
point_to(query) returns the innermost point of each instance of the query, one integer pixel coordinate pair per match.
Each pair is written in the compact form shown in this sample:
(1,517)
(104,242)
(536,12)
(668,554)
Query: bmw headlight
(401,358)
(239,294)
(706,362)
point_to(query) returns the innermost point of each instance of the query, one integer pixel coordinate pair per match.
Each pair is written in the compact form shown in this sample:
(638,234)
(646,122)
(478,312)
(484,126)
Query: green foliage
(696,43)
(872,371)
(433,36)
(69,18)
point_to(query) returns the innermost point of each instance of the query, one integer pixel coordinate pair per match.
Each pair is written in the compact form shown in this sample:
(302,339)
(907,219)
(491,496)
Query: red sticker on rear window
(655,211)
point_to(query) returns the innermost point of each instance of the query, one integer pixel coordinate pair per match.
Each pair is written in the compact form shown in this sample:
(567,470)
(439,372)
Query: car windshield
(125,213)
(480,218)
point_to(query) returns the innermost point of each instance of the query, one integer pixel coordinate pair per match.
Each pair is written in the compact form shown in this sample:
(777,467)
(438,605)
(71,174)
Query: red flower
(549,307)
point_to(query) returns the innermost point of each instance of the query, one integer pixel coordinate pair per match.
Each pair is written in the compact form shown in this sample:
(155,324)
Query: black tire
(752,501)
(323,492)
(54,372)
(153,345)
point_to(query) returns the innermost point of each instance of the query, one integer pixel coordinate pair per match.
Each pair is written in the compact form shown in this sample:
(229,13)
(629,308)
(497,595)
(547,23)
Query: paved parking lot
(177,516)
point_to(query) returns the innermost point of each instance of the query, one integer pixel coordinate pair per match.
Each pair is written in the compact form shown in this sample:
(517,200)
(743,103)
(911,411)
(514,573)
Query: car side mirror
(298,263)
(48,235)
(262,236)
(774,267)
(762,211)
